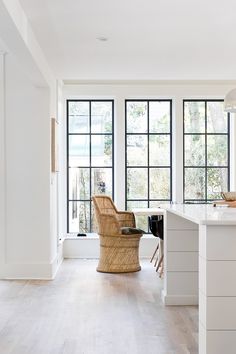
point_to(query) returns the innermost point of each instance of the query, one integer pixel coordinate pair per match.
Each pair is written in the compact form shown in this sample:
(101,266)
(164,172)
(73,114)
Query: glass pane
(159,150)
(136,117)
(79,183)
(94,226)
(136,204)
(156,204)
(137,183)
(101,117)
(216,118)
(217,150)
(136,150)
(102,181)
(78,117)
(194,150)
(194,183)
(159,117)
(217,182)
(78,150)
(101,150)
(141,221)
(194,117)
(79,217)
(159,183)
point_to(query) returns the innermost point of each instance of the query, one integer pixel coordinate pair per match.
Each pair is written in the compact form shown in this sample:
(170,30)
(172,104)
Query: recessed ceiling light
(102,39)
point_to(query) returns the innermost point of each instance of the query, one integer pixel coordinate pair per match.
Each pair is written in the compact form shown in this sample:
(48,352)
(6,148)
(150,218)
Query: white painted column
(119,153)
(177,149)
(233,152)
(180,261)
(217,289)
(2,164)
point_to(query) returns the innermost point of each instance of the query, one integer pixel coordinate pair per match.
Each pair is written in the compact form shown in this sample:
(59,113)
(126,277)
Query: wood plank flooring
(85,312)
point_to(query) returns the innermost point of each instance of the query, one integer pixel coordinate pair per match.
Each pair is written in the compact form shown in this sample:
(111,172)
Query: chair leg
(155,264)
(159,263)
(154,252)
(162,270)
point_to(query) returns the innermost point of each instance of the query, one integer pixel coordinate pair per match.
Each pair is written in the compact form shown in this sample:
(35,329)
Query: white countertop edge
(201,214)
(149,211)
(203,221)
(178,213)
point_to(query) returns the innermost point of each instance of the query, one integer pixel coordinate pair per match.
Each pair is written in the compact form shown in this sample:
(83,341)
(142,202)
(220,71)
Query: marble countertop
(204,214)
(149,211)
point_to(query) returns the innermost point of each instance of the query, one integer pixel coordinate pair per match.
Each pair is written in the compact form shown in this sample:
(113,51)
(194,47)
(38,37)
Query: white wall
(61,225)
(27,147)
(28,239)
(2,163)
(29,245)
(88,247)
(17,34)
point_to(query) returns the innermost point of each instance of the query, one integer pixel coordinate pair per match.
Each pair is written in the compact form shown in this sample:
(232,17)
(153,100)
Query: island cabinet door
(217,289)
(181,261)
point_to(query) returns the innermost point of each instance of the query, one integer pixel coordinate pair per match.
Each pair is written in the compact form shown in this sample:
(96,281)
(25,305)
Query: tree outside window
(206,150)
(90,159)
(148,154)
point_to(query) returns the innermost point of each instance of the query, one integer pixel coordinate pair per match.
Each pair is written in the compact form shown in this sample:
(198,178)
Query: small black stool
(156,227)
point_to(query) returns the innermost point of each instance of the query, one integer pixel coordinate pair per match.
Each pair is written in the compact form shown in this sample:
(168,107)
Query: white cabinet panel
(182,240)
(221,278)
(221,313)
(175,222)
(183,261)
(182,283)
(219,244)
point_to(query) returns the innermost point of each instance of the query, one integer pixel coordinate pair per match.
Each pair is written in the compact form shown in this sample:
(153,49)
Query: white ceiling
(147,39)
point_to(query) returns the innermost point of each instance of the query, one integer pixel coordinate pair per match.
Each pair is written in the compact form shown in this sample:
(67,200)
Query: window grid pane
(148,153)
(89,159)
(206,150)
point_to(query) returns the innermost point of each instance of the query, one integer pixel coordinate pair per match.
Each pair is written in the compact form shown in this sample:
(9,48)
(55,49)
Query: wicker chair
(119,239)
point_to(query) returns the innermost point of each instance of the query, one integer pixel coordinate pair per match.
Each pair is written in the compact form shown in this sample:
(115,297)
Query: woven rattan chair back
(104,204)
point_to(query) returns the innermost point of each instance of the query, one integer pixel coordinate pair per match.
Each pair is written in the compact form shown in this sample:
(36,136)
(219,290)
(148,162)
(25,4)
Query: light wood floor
(85,312)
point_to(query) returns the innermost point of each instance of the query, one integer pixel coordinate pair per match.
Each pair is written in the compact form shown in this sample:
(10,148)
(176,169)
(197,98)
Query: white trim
(149,82)
(88,247)
(177,150)
(179,300)
(29,271)
(119,152)
(42,271)
(2,165)
(17,33)
(56,263)
(232,152)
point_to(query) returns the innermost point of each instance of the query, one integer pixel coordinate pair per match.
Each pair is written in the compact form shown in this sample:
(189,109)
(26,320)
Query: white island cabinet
(200,268)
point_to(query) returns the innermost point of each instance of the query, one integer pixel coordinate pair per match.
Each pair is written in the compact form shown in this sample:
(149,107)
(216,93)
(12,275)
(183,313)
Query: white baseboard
(88,247)
(83,247)
(57,260)
(42,271)
(179,300)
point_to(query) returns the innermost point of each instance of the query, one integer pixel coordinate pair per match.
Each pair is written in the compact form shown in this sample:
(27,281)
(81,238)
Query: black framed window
(206,150)
(89,159)
(148,146)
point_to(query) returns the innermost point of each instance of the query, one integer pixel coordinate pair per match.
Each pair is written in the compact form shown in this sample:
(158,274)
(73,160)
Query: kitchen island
(200,268)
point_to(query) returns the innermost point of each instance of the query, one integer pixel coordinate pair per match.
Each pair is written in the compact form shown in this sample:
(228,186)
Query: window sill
(94,236)
(90,236)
